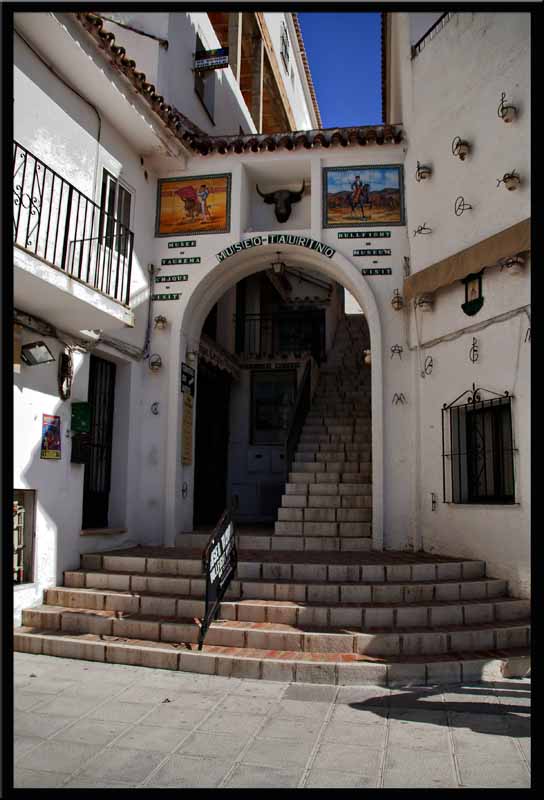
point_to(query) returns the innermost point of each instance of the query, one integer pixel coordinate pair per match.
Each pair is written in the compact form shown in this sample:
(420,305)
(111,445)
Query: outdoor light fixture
(460,148)
(278,266)
(423,172)
(160,322)
(36,353)
(514,264)
(155,362)
(191,355)
(506,112)
(510,179)
(367,357)
(397,301)
(473,293)
(424,302)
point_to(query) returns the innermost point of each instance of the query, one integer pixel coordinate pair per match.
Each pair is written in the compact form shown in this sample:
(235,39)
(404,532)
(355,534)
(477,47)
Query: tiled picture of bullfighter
(198,204)
(361,196)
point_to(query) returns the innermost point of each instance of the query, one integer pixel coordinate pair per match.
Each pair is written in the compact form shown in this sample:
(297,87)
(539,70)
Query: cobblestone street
(85,724)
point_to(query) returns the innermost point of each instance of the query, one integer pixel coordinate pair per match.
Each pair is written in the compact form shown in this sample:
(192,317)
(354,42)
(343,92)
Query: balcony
(271,335)
(65,242)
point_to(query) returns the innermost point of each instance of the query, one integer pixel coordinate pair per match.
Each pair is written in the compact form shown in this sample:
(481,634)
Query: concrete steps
(329,668)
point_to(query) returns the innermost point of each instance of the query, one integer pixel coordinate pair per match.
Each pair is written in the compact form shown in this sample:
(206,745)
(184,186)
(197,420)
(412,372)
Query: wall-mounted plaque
(372,252)
(182,244)
(171,278)
(363,195)
(187,380)
(198,204)
(364,235)
(377,271)
(170,296)
(168,262)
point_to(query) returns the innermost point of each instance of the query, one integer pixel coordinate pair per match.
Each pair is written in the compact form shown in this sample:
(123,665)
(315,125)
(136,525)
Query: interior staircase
(311,601)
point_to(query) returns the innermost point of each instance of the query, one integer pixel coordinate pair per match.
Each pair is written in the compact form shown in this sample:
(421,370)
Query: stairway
(328,497)
(310,601)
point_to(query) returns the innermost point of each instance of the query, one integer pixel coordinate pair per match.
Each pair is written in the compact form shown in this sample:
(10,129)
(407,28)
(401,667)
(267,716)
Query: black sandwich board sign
(220,561)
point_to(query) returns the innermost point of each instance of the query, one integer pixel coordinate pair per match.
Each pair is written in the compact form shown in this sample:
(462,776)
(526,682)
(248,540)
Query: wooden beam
(259,16)
(235,43)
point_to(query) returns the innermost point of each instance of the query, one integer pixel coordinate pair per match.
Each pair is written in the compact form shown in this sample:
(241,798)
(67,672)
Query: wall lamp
(160,322)
(155,362)
(36,353)
(367,357)
(510,179)
(506,112)
(278,266)
(423,172)
(191,355)
(460,148)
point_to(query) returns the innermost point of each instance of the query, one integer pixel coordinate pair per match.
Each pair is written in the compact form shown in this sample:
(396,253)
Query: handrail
(298,415)
(219,561)
(416,48)
(56,222)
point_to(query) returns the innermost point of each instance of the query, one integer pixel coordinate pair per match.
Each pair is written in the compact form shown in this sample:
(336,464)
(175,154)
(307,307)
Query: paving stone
(355,733)
(352,758)
(34,779)
(333,779)
(310,693)
(92,731)
(42,726)
(189,771)
(86,782)
(23,744)
(124,765)
(222,721)
(357,714)
(406,768)
(65,706)
(492,773)
(146,694)
(291,727)
(487,744)
(172,715)
(223,746)
(117,711)
(271,752)
(63,756)
(245,776)
(251,705)
(23,701)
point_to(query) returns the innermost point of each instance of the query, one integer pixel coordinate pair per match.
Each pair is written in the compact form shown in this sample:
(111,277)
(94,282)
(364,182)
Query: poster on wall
(50,437)
(199,204)
(355,196)
(187,430)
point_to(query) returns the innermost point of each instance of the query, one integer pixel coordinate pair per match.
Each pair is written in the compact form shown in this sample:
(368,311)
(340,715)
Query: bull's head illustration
(282,200)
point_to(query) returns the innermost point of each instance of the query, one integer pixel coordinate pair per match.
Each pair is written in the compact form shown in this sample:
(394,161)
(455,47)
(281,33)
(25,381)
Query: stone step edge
(289,666)
(278,627)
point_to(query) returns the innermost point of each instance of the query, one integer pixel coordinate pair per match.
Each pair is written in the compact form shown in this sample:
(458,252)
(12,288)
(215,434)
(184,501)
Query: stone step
(325,501)
(271,542)
(306,485)
(416,640)
(297,588)
(362,616)
(324,514)
(307,528)
(340,467)
(336,669)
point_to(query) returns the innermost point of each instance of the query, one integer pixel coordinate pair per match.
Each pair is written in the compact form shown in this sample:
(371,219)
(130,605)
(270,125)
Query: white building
(177,263)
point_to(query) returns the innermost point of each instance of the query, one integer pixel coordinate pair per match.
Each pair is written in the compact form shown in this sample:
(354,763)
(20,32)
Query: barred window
(478,451)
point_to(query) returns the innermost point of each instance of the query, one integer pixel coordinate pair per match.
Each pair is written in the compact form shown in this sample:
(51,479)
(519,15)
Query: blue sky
(344,53)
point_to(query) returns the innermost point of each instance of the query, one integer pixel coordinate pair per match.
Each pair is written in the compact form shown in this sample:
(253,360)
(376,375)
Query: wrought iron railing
(18,542)
(267,335)
(431,32)
(298,415)
(57,223)
(219,564)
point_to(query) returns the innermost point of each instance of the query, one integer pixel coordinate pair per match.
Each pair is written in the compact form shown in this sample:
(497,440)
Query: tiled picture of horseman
(355,196)
(199,204)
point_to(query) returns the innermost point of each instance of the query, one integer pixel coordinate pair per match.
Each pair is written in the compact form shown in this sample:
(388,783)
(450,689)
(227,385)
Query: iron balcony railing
(267,335)
(57,223)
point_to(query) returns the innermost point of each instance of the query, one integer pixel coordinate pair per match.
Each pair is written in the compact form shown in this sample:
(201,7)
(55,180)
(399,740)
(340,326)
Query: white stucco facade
(452,87)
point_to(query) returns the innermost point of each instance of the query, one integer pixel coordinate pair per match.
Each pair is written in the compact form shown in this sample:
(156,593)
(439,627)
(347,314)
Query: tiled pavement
(87,724)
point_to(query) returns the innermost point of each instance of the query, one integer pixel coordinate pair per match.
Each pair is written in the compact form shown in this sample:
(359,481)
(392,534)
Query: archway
(219,276)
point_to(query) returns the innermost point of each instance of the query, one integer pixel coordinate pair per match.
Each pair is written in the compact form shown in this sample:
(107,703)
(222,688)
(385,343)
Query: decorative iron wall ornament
(433,501)
(460,148)
(423,172)
(428,365)
(514,264)
(155,409)
(474,299)
(505,111)
(511,180)
(399,398)
(474,352)
(460,206)
(424,302)
(397,301)
(528,335)
(396,350)
(422,230)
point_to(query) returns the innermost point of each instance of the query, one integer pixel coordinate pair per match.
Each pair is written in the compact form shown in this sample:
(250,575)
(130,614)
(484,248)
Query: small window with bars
(284,46)
(478,450)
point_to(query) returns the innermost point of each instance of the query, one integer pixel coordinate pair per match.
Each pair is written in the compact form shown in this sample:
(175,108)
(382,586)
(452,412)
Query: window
(284,46)
(116,201)
(205,84)
(480,460)
(23,535)
(272,397)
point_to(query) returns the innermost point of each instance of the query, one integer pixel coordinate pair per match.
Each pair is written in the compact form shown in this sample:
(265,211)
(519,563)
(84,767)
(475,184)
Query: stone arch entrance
(218,277)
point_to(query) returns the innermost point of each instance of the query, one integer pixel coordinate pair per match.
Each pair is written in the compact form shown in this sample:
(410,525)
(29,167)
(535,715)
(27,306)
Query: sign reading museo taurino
(276,238)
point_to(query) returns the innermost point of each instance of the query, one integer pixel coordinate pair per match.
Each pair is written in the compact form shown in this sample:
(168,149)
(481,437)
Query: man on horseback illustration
(359,196)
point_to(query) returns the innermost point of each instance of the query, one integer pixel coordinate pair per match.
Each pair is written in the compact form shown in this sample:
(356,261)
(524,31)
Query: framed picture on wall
(363,196)
(199,204)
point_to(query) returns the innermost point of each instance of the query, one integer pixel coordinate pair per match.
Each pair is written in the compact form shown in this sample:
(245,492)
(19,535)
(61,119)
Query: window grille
(23,535)
(478,449)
